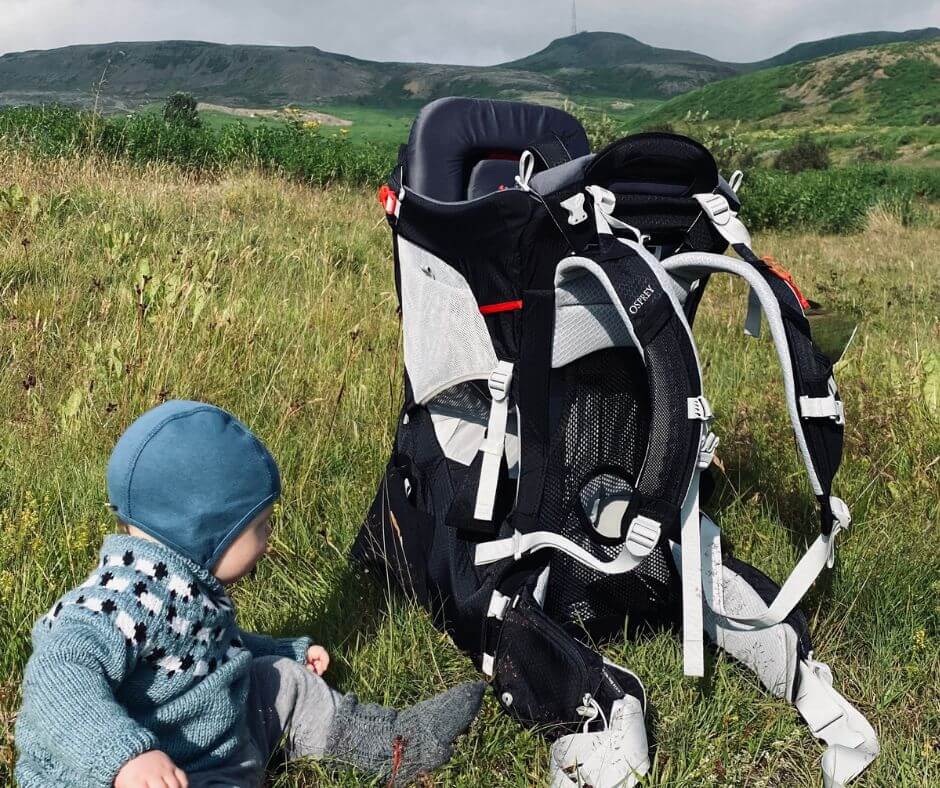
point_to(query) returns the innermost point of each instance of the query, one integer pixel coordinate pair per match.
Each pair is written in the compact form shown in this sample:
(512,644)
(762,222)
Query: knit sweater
(144,655)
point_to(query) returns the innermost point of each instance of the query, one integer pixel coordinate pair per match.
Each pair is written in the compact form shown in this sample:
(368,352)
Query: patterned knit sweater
(145,654)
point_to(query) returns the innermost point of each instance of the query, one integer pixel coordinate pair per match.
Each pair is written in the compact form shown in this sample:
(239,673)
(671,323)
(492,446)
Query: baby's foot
(399,745)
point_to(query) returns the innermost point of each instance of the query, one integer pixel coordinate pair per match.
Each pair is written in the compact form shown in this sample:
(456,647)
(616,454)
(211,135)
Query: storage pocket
(541,673)
(397,536)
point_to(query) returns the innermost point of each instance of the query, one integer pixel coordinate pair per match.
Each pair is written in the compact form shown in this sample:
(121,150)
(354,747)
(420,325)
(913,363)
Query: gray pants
(285,701)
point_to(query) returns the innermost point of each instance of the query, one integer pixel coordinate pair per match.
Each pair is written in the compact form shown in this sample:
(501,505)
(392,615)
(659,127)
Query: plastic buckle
(717,208)
(822,408)
(843,519)
(699,408)
(575,207)
(499,381)
(706,450)
(642,536)
(516,545)
(604,199)
(498,604)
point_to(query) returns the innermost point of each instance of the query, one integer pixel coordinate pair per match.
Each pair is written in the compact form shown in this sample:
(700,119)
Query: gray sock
(400,745)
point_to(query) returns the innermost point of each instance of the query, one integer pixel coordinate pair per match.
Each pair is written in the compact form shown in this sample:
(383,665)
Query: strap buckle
(842,520)
(699,409)
(499,381)
(725,221)
(717,208)
(498,604)
(706,450)
(642,536)
(575,207)
(822,408)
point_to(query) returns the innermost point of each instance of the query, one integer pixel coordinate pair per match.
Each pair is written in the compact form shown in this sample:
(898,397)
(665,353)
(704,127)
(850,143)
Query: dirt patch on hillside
(278,114)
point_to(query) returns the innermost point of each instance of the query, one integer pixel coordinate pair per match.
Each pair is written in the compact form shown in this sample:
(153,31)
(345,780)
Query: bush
(295,150)
(804,154)
(601,129)
(181,109)
(836,200)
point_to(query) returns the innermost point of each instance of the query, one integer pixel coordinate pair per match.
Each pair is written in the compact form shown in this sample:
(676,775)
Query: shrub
(181,109)
(601,129)
(804,154)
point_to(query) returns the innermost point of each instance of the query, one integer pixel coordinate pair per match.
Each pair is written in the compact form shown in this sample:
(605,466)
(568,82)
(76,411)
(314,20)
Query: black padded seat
(463,148)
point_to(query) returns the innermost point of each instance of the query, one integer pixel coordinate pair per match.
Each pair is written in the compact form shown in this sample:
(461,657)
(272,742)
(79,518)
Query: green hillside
(125,75)
(812,50)
(891,85)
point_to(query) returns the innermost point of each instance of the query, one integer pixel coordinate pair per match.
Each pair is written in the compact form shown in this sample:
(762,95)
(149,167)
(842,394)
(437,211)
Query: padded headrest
(655,163)
(452,136)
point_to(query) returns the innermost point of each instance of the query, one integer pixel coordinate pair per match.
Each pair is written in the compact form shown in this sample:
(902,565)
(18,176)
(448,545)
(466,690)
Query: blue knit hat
(192,476)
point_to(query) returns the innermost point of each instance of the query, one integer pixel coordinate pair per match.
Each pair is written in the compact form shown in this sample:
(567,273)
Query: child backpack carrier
(553,450)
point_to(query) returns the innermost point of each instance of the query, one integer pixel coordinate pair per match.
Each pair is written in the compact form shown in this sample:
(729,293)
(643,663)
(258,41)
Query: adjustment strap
(520,544)
(820,555)
(693,645)
(752,321)
(550,151)
(494,443)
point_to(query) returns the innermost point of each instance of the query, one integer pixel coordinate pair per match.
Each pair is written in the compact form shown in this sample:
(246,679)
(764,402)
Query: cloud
(482,32)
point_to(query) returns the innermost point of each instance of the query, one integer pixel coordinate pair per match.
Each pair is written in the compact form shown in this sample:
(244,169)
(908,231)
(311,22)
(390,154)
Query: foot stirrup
(853,743)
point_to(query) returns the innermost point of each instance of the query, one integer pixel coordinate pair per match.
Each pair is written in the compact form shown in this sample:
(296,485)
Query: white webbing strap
(488,665)
(752,321)
(520,544)
(494,443)
(853,743)
(605,202)
(693,654)
(820,555)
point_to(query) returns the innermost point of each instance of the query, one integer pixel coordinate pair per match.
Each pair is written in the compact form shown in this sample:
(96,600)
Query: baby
(141,677)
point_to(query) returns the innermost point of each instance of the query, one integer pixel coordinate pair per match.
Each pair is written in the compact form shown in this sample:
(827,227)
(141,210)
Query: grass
(121,286)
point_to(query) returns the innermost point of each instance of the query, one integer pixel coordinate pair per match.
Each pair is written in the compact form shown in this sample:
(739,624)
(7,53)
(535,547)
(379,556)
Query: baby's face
(241,555)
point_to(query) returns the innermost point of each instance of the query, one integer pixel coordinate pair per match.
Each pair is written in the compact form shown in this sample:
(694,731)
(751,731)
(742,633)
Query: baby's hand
(153,769)
(317,660)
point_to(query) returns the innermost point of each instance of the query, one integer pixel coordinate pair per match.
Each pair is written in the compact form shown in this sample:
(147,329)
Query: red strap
(782,273)
(388,199)
(502,306)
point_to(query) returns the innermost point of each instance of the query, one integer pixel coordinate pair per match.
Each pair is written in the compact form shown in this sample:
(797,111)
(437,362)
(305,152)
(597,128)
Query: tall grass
(123,285)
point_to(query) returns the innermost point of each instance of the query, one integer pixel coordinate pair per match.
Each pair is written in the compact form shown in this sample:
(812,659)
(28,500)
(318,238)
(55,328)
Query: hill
(890,85)
(124,75)
(616,64)
(811,50)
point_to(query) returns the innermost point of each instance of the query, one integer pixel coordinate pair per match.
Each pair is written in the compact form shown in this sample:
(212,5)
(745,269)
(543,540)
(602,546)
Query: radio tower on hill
(574,17)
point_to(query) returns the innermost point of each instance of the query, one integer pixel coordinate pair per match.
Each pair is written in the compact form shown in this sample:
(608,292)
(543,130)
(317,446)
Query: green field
(123,285)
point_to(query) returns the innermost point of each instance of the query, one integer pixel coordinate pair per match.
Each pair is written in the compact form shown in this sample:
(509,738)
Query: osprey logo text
(641,299)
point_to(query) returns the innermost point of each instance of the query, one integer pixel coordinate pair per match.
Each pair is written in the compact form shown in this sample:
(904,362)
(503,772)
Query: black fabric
(533,381)
(451,135)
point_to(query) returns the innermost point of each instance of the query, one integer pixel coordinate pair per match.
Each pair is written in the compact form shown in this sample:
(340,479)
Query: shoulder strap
(636,285)
(816,417)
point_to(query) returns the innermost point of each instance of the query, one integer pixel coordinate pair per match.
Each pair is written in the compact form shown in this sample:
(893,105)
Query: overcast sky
(481,32)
